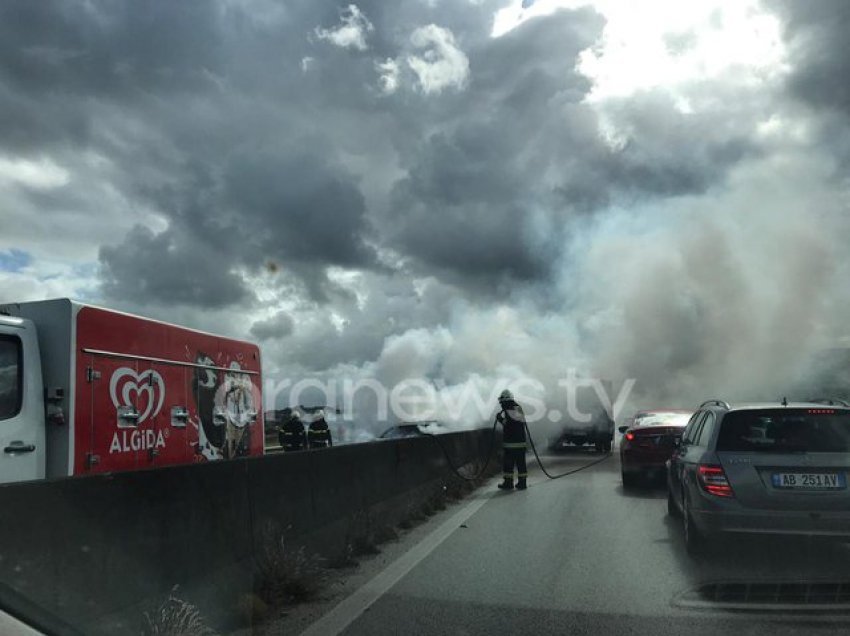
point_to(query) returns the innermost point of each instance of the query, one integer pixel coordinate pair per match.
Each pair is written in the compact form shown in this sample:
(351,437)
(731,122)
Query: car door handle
(19,447)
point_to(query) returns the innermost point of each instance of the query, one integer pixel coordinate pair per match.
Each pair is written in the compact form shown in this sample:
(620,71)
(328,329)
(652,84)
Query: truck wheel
(606,446)
(600,448)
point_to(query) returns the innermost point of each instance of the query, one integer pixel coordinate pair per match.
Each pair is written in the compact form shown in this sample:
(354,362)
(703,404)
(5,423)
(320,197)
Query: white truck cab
(22,402)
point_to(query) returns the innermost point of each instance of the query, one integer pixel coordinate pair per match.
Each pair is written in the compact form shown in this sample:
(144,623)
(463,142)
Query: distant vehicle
(88,390)
(648,443)
(637,417)
(599,432)
(412,429)
(762,469)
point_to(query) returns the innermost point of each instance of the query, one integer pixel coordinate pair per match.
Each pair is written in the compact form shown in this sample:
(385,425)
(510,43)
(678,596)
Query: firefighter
(512,420)
(318,433)
(291,433)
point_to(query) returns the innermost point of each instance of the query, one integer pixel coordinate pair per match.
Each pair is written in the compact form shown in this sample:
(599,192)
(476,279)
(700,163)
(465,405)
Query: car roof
(660,411)
(752,406)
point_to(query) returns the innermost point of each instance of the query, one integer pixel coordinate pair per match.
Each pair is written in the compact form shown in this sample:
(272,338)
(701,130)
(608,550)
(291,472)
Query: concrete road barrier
(98,551)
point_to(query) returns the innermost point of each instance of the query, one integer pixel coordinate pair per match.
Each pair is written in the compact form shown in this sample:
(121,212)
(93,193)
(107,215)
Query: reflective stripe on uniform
(513,445)
(522,475)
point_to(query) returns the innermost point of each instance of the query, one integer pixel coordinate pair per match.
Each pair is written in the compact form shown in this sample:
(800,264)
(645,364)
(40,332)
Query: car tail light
(713,480)
(630,436)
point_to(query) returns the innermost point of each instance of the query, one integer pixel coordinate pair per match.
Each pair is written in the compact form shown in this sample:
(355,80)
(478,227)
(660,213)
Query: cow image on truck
(88,390)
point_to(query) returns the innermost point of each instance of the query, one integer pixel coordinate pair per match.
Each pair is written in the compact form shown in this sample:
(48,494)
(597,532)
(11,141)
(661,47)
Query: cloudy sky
(442,189)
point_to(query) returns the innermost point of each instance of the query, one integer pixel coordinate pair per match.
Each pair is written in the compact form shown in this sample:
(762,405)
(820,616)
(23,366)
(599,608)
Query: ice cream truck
(88,390)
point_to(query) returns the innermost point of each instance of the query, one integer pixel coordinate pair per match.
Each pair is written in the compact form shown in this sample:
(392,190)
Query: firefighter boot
(507,484)
(520,483)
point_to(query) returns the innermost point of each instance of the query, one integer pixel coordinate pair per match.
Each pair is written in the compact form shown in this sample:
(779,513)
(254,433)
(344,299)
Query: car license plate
(811,481)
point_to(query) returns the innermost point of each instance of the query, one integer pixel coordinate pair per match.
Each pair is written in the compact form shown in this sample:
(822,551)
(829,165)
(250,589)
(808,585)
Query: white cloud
(388,75)
(47,278)
(669,44)
(307,63)
(442,64)
(351,32)
(43,174)
(678,45)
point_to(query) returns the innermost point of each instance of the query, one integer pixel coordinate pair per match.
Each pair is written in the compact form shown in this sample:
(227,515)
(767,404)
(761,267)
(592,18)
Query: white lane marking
(10,625)
(348,610)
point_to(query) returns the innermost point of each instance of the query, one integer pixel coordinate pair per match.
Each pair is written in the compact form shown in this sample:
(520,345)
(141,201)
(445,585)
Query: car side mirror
(623,429)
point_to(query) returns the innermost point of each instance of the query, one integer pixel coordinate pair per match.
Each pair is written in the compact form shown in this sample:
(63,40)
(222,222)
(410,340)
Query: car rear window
(786,431)
(664,419)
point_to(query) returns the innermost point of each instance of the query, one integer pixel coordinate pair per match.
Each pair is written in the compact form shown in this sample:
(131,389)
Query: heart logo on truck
(125,382)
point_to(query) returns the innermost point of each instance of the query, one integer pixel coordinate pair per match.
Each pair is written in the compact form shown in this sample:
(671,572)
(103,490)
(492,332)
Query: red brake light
(713,480)
(630,436)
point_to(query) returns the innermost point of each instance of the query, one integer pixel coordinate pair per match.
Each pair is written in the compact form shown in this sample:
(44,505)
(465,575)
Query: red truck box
(120,392)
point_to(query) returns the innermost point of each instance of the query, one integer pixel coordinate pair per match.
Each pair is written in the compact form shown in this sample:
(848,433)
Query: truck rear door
(122,396)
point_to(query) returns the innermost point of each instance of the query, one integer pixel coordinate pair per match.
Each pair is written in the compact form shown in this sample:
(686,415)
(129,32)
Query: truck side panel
(151,394)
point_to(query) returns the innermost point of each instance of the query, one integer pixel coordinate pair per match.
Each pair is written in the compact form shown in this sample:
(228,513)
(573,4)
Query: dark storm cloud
(670,154)
(260,146)
(289,211)
(58,59)
(301,209)
(210,119)
(170,267)
(817,36)
(206,118)
(491,196)
(278,326)
(390,304)
(472,188)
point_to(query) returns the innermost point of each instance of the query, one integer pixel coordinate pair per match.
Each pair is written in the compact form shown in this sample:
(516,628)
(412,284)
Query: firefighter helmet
(506,396)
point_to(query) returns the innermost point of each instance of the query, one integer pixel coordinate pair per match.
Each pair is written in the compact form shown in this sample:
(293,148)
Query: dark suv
(771,468)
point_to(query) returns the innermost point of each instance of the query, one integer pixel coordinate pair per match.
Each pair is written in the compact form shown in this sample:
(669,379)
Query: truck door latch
(92,375)
(92,459)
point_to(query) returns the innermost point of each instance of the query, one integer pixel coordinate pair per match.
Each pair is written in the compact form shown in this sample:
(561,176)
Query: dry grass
(286,574)
(175,617)
(385,534)
(362,533)
(345,558)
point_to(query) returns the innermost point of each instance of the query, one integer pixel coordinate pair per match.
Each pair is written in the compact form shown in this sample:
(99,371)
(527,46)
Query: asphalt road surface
(581,555)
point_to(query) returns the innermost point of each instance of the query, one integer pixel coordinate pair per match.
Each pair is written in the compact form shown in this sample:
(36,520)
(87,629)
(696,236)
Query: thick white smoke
(726,294)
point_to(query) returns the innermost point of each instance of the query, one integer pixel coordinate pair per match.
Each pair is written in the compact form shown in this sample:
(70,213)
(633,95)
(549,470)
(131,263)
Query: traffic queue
(768,468)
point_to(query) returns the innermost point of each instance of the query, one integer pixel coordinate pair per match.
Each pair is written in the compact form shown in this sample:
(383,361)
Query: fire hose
(454,468)
(490,453)
(569,472)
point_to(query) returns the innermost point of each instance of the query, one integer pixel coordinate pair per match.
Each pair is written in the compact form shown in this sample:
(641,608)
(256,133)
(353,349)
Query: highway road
(579,555)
